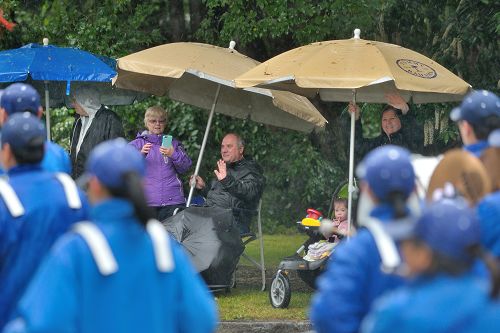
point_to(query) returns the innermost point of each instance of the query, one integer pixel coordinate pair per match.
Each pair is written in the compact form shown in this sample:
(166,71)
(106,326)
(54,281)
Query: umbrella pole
(47,109)
(351,168)
(202,150)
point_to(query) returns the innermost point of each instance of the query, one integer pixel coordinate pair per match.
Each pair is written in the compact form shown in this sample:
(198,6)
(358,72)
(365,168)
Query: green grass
(276,247)
(249,303)
(254,305)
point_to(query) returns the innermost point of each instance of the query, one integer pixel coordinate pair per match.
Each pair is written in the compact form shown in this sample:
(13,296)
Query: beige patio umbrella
(357,70)
(202,75)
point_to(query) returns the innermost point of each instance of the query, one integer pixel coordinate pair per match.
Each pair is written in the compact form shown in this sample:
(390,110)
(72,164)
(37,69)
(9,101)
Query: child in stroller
(323,235)
(332,230)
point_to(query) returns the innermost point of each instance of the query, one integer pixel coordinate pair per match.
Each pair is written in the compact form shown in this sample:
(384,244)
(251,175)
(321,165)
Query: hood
(149,137)
(89,98)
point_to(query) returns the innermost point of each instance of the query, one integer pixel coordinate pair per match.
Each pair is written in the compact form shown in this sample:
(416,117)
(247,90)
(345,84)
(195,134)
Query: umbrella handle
(47,109)
(351,169)
(203,144)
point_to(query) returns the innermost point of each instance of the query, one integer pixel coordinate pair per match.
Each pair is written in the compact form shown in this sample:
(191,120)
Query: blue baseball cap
(20,97)
(23,130)
(476,106)
(110,160)
(388,169)
(449,227)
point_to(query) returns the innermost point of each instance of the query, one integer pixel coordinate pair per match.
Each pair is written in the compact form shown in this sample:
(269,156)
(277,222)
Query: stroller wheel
(280,291)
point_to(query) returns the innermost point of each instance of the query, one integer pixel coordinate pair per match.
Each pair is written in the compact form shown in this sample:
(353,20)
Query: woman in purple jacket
(164,190)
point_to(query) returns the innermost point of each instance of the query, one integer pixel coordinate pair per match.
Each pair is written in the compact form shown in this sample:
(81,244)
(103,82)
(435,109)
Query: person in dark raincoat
(36,207)
(445,295)
(95,123)
(361,269)
(121,272)
(398,127)
(239,183)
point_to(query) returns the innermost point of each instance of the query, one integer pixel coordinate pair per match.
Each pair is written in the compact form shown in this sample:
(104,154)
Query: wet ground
(249,277)
(264,327)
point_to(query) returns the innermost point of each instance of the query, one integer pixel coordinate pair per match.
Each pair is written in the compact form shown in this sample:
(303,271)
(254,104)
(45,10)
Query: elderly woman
(163,187)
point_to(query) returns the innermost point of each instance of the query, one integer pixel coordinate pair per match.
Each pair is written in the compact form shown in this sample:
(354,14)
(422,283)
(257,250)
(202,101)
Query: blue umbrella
(34,62)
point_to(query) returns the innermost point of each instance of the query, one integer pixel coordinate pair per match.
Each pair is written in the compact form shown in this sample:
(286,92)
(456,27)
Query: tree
(463,35)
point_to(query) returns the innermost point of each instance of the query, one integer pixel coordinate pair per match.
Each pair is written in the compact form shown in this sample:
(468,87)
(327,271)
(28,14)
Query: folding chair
(250,237)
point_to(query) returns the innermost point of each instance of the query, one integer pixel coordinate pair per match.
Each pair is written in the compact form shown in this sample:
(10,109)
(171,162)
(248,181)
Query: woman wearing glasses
(164,190)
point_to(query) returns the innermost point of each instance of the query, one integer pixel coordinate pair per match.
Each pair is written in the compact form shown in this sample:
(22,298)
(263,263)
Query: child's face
(340,211)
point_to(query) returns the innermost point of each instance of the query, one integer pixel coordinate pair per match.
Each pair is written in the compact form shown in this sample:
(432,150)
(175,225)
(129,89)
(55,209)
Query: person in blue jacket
(476,117)
(488,208)
(361,268)
(21,97)
(121,272)
(445,295)
(36,207)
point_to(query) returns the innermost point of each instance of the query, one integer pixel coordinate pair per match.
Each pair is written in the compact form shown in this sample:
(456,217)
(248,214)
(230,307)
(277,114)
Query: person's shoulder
(361,246)
(140,137)
(388,311)
(490,203)
(70,246)
(54,148)
(53,145)
(250,163)
(491,199)
(107,112)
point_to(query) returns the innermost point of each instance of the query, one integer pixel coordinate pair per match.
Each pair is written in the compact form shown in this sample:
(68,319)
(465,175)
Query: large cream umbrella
(357,70)
(202,75)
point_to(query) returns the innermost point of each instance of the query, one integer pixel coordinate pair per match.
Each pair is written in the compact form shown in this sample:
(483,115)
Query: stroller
(280,291)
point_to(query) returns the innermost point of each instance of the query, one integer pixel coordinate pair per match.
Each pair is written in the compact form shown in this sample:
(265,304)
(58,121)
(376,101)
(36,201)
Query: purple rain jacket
(162,184)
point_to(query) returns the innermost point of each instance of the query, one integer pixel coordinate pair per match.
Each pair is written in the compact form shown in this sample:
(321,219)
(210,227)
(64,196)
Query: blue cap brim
(83,181)
(456,114)
(401,229)
(494,138)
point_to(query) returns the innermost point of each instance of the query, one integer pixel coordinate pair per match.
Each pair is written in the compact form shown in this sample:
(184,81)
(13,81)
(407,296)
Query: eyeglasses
(157,121)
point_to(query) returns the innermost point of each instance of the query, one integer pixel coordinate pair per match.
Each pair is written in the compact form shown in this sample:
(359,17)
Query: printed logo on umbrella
(416,68)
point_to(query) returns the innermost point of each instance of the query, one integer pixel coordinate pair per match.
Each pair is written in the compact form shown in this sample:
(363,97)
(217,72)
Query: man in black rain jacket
(239,183)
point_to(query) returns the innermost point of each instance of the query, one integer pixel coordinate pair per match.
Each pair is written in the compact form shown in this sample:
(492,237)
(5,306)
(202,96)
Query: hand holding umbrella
(395,100)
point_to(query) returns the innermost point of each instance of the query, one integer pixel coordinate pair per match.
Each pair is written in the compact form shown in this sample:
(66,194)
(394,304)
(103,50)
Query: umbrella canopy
(192,72)
(52,63)
(211,240)
(202,75)
(335,68)
(357,70)
(40,64)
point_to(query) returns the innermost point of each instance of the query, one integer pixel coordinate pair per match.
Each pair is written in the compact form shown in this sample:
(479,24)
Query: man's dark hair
(30,154)
(483,129)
